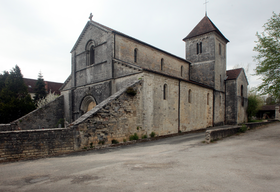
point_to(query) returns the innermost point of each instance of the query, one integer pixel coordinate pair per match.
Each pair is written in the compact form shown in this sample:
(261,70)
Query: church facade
(176,95)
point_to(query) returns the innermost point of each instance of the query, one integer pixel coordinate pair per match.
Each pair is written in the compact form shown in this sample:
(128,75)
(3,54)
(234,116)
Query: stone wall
(44,117)
(114,118)
(242,109)
(26,144)
(196,114)
(215,134)
(277,113)
(150,57)
(231,102)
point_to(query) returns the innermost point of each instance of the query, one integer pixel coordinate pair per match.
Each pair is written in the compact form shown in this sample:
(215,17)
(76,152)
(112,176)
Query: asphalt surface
(246,162)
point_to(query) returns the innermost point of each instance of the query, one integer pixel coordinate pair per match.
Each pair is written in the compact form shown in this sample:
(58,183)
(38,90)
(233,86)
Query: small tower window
(135,55)
(199,48)
(165,91)
(182,69)
(220,49)
(207,98)
(161,64)
(92,55)
(242,97)
(190,96)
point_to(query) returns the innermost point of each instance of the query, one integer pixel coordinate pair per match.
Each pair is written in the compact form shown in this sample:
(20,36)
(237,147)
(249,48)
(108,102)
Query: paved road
(246,162)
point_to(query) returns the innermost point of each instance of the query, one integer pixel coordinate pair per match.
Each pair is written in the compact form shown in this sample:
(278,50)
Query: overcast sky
(38,35)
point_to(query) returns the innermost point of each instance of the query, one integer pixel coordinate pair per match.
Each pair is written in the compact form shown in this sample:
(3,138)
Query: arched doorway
(87,104)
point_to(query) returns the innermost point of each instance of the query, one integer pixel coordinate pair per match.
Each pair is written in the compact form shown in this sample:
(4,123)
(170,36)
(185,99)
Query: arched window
(135,55)
(190,96)
(220,49)
(207,98)
(165,91)
(221,82)
(242,97)
(91,55)
(161,64)
(90,52)
(182,69)
(87,104)
(199,48)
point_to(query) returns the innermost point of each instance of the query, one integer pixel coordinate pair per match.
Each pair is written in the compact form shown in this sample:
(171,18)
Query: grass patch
(133,137)
(243,129)
(101,142)
(153,134)
(114,141)
(144,137)
(256,120)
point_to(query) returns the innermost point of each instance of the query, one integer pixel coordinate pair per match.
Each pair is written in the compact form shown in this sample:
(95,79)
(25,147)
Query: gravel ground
(246,162)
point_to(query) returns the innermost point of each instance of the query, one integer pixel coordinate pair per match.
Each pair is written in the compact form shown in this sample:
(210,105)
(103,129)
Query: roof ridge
(204,26)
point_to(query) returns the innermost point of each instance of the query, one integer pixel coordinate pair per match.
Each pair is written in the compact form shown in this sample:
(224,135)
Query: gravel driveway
(244,162)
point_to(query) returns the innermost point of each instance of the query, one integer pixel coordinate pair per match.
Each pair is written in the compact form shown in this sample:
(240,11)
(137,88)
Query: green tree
(14,98)
(268,58)
(40,90)
(255,103)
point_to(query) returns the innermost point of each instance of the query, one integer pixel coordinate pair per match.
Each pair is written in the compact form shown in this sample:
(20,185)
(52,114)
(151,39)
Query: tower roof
(203,27)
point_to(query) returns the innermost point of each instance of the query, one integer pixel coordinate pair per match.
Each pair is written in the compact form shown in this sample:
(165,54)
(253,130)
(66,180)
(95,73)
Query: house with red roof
(49,86)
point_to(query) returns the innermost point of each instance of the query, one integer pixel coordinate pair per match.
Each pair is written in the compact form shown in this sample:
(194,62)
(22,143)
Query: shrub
(61,122)
(144,137)
(153,134)
(101,142)
(114,141)
(243,129)
(124,140)
(133,137)
(91,145)
(130,91)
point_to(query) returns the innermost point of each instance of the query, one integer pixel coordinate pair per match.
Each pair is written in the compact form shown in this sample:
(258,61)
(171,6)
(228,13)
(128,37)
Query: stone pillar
(277,115)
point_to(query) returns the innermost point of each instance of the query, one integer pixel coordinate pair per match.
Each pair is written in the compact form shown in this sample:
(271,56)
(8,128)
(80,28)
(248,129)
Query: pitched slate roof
(234,73)
(107,29)
(203,27)
(268,107)
(50,86)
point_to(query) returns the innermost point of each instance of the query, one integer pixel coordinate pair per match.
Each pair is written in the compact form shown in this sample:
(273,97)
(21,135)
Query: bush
(61,122)
(144,137)
(101,142)
(114,141)
(130,91)
(153,134)
(133,137)
(255,103)
(124,140)
(243,129)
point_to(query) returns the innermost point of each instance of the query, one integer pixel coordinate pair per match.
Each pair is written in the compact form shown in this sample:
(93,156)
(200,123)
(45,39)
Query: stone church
(173,94)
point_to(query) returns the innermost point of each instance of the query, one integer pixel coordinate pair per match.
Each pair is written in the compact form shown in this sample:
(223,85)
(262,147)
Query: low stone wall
(7,127)
(113,119)
(26,144)
(256,124)
(214,134)
(44,117)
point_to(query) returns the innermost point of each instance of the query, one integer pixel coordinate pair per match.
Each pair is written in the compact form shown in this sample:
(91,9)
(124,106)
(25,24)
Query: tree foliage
(255,103)
(268,58)
(14,98)
(49,98)
(40,90)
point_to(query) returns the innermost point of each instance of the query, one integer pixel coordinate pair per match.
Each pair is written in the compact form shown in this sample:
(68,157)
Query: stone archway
(87,104)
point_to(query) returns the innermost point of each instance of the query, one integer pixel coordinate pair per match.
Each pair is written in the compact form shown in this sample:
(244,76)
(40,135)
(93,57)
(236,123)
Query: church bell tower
(206,50)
